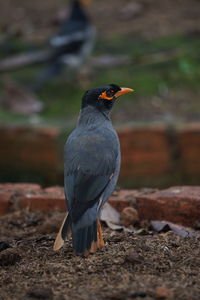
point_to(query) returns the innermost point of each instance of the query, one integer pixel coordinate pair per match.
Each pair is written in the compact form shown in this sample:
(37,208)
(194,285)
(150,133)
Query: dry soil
(150,266)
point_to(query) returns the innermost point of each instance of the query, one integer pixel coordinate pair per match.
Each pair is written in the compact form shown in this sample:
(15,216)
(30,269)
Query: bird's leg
(94,247)
(100,240)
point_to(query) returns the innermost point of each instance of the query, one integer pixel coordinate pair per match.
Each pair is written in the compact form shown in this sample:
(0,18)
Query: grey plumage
(91,167)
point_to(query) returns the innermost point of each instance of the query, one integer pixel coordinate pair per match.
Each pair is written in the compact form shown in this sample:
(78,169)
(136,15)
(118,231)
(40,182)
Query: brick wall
(155,156)
(176,204)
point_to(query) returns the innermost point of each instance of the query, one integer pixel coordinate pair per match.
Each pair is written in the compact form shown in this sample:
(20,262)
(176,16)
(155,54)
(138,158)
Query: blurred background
(52,51)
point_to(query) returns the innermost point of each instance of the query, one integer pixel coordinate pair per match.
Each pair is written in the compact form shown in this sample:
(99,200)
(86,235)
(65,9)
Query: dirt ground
(150,266)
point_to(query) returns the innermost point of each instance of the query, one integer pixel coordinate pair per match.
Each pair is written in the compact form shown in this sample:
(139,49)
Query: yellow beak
(123,91)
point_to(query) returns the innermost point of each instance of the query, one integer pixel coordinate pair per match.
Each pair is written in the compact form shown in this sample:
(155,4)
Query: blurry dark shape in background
(71,46)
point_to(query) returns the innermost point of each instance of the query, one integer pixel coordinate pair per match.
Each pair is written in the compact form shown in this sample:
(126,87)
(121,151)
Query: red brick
(10,194)
(55,190)
(189,145)
(51,198)
(20,187)
(123,198)
(30,148)
(42,203)
(176,204)
(145,151)
(5,201)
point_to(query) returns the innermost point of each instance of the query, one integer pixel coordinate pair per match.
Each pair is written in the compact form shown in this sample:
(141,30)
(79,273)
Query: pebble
(163,293)
(10,256)
(40,293)
(129,216)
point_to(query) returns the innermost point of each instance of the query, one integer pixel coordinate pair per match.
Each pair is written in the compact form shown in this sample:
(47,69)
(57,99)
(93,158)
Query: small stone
(129,216)
(118,260)
(40,293)
(197,225)
(10,256)
(4,246)
(140,294)
(163,293)
(133,257)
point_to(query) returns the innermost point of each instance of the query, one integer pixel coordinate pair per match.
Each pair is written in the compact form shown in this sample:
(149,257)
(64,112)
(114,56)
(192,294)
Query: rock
(163,293)
(10,256)
(40,293)
(129,216)
(4,246)
(133,257)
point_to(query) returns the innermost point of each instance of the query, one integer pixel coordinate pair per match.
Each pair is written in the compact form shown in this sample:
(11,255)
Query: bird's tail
(84,238)
(87,239)
(62,234)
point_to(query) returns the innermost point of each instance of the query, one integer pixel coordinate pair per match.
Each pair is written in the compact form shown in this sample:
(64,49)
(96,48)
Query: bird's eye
(107,95)
(110,93)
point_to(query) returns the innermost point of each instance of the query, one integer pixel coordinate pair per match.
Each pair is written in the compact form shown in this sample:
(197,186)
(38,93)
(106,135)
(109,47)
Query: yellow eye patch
(105,96)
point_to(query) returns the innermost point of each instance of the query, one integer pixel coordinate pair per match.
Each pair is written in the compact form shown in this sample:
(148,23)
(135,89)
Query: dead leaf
(129,216)
(111,217)
(164,226)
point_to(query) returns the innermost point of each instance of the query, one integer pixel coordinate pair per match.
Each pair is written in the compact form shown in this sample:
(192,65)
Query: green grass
(179,67)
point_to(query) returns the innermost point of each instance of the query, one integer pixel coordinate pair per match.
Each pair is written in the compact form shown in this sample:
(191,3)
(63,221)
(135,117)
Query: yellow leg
(100,240)
(94,247)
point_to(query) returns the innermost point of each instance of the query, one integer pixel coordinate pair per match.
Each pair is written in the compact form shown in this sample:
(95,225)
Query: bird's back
(92,151)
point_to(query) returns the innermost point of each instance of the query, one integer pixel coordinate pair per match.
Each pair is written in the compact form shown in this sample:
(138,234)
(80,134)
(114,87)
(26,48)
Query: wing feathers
(62,234)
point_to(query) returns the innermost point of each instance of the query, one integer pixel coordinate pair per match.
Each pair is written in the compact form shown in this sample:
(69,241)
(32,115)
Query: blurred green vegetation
(164,63)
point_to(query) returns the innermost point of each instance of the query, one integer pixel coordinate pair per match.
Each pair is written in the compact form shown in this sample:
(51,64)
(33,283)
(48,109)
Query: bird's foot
(100,240)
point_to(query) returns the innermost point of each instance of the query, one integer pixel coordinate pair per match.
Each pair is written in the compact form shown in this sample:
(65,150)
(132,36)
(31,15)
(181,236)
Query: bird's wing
(73,26)
(63,40)
(77,31)
(90,162)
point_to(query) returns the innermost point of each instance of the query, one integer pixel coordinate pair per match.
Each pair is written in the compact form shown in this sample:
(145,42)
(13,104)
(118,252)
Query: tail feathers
(85,238)
(62,234)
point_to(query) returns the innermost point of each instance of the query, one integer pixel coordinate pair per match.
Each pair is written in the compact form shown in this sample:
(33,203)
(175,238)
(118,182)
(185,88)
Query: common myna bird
(91,169)
(72,45)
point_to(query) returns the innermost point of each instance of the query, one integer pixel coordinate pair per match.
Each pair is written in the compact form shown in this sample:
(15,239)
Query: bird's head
(103,97)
